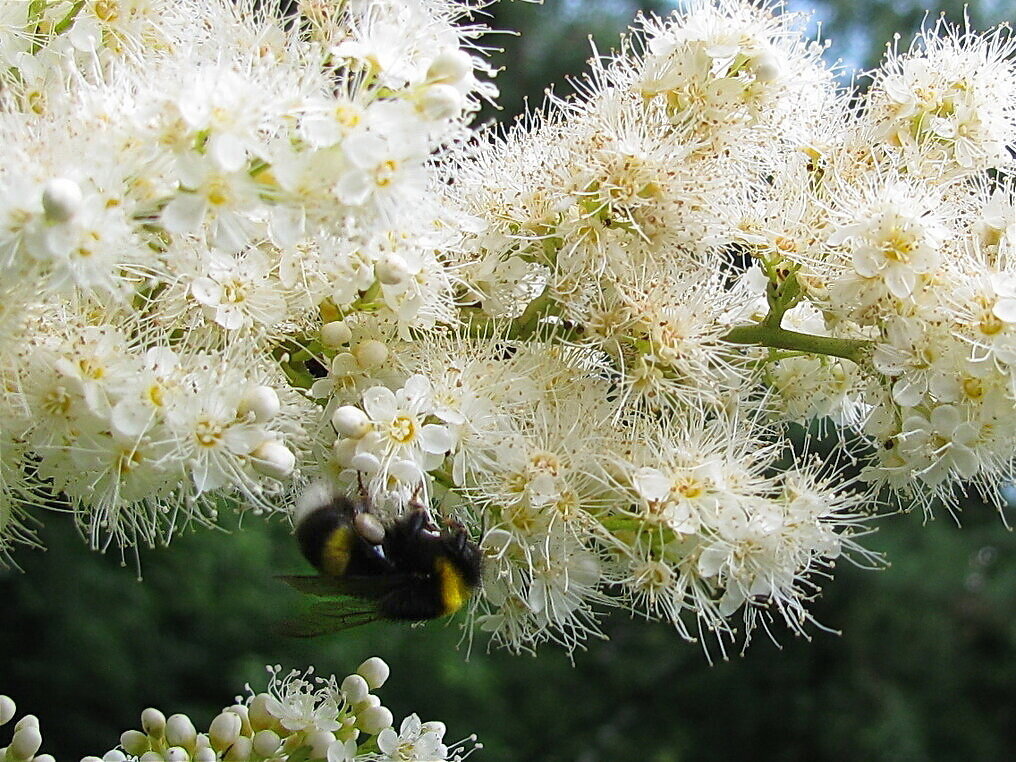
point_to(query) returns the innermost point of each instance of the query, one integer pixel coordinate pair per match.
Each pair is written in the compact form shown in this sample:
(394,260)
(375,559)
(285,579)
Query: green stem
(766,335)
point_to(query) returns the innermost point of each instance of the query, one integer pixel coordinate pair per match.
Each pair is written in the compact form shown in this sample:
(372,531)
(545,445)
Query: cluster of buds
(299,717)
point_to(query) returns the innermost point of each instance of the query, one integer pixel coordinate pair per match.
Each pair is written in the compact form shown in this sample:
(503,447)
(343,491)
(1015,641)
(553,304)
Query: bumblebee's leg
(419,507)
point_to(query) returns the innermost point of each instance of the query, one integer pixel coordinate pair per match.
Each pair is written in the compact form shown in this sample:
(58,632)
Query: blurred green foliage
(925,668)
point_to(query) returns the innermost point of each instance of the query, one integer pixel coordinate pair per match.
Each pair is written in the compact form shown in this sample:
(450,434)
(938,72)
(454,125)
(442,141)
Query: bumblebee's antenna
(417,505)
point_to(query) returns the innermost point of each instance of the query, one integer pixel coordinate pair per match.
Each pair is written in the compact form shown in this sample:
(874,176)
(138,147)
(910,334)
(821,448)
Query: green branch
(768,335)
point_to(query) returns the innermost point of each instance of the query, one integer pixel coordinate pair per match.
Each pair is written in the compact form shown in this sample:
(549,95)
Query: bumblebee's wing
(326,617)
(365,587)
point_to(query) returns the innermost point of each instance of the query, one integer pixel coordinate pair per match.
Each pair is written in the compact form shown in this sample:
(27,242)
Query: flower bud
(374,720)
(177,754)
(367,462)
(152,756)
(343,450)
(375,671)
(28,721)
(7,709)
(134,742)
(262,401)
(369,701)
(260,717)
(46,758)
(767,67)
(114,755)
(335,334)
(272,458)
(266,743)
(61,199)
(25,743)
(440,102)
(225,729)
(205,755)
(451,65)
(240,750)
(392,269)
(370,354)
(180,731)
(241,711)
(350,421)
(153,722)
(319,741)
(355,689)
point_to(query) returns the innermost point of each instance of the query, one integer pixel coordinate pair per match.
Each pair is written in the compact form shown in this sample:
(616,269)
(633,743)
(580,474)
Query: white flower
(414,742)
(939,445)
(896,238)
(400,441)
(240,292)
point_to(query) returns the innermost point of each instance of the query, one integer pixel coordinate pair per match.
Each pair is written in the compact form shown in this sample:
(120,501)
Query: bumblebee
(407,570)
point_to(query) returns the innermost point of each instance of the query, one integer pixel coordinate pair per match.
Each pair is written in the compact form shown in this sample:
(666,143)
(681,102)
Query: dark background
(925,668)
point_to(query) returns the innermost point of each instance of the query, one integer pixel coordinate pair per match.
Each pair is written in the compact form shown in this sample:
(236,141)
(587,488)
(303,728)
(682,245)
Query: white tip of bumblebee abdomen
(316,494)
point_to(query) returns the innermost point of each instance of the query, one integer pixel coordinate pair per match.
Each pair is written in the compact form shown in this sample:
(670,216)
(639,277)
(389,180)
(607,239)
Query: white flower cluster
(187,187)
(241,251)
(300,716)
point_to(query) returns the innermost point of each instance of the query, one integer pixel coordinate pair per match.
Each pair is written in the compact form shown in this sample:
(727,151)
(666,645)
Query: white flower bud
(225,729)
(272,458)
(374,720)
(153,722)
(392,269)
(239,751)
(355,689)
(262,401)
(367,702)
(45,758)
(343,450)
(370,354)
(180,731)
(350,421)
(335,334)
(28,721)
(266,743)
(25,743)
(205,755)
(177,754)
(61,199)
(367,462)
(134,742)
(7,709)
(319,741)
(87,759)
(241,711)
(375,671)
(152,756)
(767,67)
(114,755)
(260,717)
(451,65)
(439,102)
(202,742)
